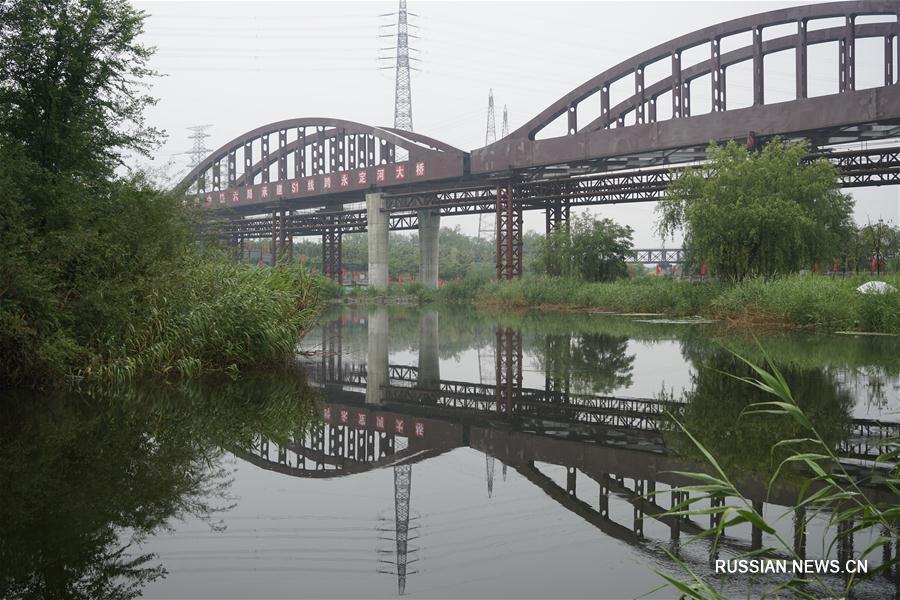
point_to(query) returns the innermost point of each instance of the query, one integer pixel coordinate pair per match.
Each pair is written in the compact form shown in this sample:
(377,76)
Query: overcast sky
(239,65)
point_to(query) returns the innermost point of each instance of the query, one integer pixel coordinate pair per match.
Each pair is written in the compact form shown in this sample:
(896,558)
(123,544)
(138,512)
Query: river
(432,452)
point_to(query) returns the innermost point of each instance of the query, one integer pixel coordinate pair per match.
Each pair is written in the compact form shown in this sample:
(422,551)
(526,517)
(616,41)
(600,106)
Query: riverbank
(794,300)
(807,301)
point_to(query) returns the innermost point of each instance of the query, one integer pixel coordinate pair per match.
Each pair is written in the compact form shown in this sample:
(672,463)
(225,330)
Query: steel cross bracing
(874,166)
(508,239)
(867,438)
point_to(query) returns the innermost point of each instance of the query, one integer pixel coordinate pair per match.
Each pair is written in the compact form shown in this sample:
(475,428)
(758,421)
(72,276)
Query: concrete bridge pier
(429,228)
(377,221)
(429,358)
(377,355)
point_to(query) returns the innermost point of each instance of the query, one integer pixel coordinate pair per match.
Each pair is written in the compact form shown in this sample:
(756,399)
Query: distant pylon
(402,84)
(402,489)
(490,136)
(486,221)
(504,131)
(199,151)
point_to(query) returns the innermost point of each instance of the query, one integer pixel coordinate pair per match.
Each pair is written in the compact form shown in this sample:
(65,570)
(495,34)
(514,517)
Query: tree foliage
(86,250)
(589,249)
(73,83)
(749,213)
(460,255)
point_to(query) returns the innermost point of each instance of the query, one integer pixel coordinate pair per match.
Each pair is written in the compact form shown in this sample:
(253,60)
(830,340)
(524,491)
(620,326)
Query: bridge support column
(273,246)
(557,215)
(377,355)
(508,368)
(332,251)
(377,221)
(332,352)
(429,228)
(429,358)
(509,234)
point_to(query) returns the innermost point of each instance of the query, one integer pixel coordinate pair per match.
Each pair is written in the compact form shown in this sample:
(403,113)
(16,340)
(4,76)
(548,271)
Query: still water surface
(422,452)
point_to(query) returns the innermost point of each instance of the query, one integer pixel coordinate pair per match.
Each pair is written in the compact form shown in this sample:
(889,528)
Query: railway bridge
(326,177)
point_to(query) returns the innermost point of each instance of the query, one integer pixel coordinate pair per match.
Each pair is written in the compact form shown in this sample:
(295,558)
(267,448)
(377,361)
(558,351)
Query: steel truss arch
(328,155)
(609,135)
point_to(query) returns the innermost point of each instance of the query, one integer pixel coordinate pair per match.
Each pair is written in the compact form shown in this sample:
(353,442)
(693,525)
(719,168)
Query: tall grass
(646,294)
(831,491)
(803,300)
(213,316)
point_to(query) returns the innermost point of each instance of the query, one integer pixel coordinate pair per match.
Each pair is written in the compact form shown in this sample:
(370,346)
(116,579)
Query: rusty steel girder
(508,237)
(875,166)
(507,368)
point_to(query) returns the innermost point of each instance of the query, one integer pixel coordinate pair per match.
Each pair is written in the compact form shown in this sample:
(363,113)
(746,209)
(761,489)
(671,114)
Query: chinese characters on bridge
(346,180)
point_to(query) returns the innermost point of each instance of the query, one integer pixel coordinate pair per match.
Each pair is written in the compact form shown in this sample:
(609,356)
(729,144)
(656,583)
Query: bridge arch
(631,127)
(315,156)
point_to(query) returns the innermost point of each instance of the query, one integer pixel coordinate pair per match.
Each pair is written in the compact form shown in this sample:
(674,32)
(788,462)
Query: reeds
(214,316)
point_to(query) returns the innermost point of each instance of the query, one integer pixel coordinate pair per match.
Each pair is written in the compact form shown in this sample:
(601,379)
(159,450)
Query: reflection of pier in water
(377,415)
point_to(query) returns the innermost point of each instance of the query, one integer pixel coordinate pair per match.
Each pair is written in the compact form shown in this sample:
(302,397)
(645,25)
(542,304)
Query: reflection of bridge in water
(378,414)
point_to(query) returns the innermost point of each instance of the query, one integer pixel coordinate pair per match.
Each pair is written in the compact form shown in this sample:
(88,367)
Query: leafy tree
(590,249)
(880,241)
(751,213)
(90,255)
(72,94)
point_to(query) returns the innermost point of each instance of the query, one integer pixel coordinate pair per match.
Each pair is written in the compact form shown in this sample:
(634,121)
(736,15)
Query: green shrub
(227,317)
(805,300)
(879,312)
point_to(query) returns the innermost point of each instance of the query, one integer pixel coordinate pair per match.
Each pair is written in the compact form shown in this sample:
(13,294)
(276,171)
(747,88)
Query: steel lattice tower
(199,151)
(402,89)
(505,129)
(402,489)
(486,222)
(403,121)
(490,136)
(489,468)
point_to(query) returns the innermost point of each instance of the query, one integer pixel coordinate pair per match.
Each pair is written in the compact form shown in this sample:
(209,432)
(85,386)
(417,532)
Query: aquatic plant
(831,492)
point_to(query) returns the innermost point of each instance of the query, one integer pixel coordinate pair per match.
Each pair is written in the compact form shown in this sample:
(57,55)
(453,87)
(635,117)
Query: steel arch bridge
(311,176)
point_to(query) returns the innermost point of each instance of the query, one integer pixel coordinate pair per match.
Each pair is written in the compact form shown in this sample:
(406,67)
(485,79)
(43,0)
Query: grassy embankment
(808,301)
(792,300)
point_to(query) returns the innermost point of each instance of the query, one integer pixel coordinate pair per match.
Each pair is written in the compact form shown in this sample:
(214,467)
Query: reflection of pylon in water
(485,365)
(489,467)
(504,471)
(402,488)
(400,528)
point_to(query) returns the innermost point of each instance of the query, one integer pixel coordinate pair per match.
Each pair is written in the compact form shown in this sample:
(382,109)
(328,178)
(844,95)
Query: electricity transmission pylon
(402,120)
(486,222)
(490,136)
(199,151)
(504,131)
